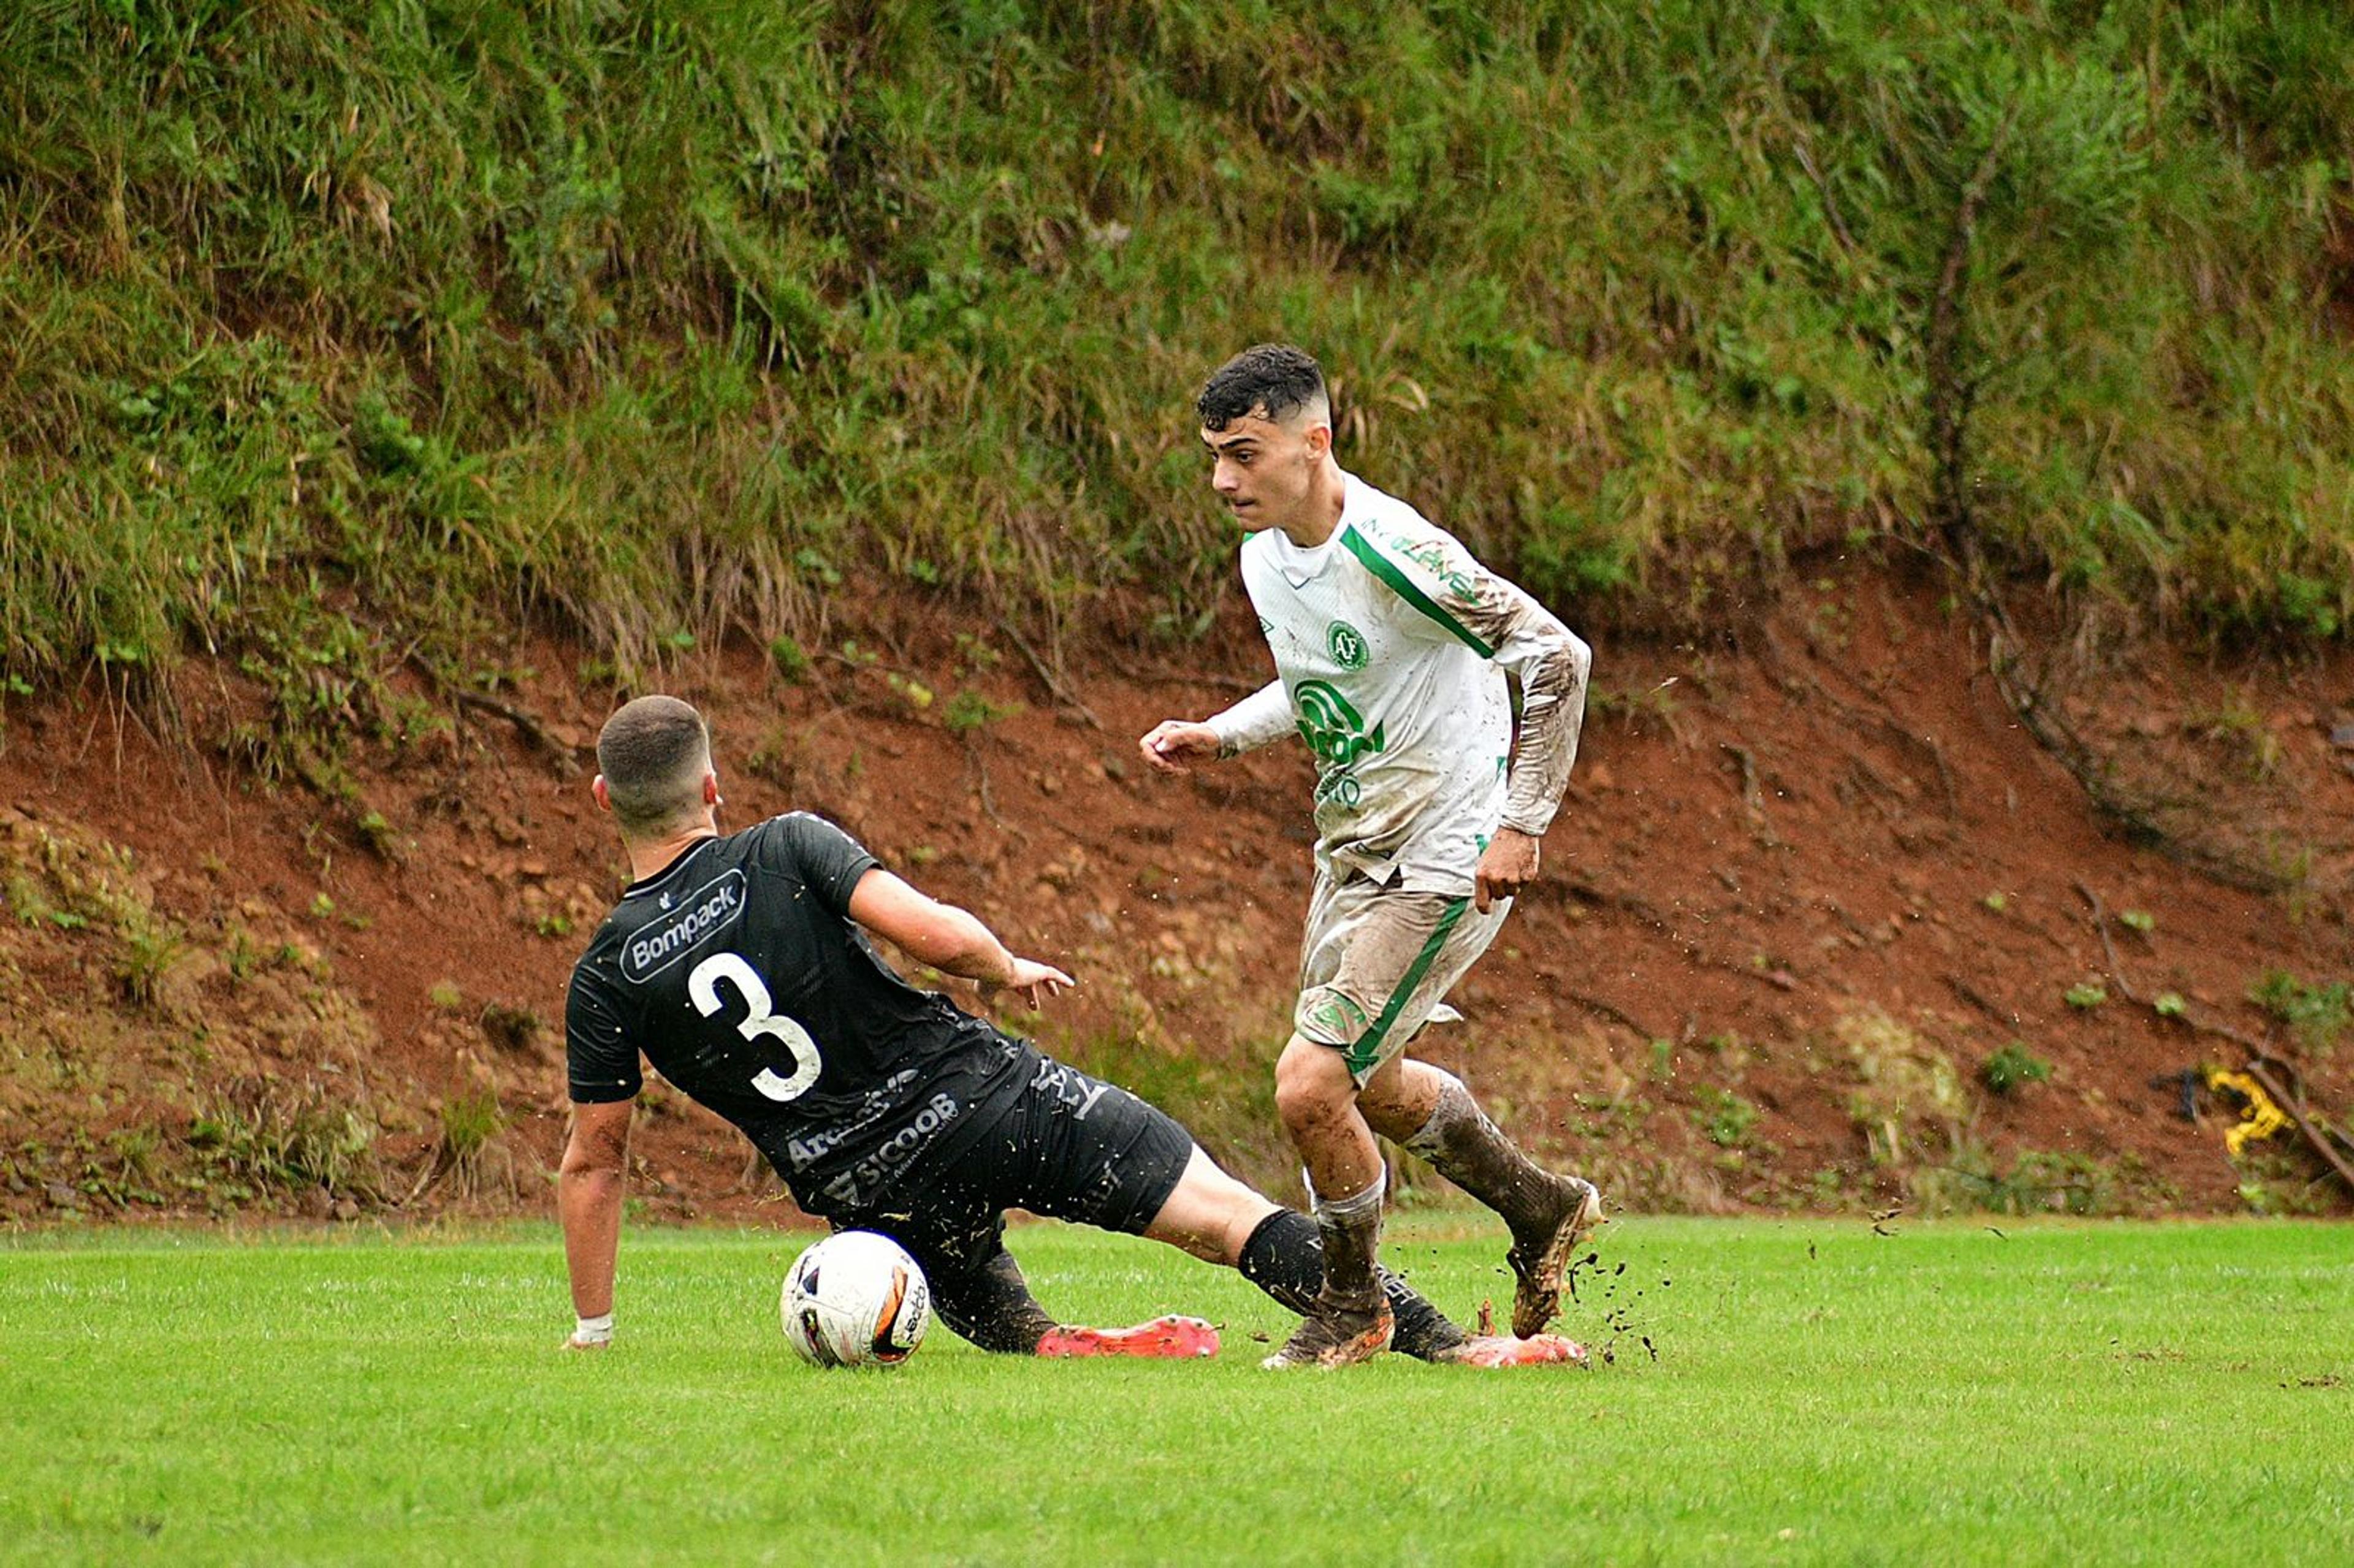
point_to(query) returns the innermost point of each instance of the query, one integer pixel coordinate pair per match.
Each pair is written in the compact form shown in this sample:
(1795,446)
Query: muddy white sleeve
(1263,716)
(1553,662)
(1497,619)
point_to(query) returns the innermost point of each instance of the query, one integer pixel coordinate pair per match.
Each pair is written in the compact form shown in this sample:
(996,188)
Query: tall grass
(370,326)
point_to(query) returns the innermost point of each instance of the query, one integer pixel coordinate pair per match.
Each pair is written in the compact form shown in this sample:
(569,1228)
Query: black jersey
(739,974)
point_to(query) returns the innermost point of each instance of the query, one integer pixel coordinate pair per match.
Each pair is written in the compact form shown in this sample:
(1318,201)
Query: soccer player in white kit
(1391,645)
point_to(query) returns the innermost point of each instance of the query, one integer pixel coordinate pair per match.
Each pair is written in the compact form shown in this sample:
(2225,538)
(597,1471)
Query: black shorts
(1069,1146)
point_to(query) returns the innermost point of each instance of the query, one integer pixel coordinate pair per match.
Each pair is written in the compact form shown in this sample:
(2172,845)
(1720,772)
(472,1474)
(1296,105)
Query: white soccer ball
(855,1299)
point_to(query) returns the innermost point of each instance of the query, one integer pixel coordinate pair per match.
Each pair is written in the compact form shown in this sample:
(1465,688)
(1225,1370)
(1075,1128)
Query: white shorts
(1377,962)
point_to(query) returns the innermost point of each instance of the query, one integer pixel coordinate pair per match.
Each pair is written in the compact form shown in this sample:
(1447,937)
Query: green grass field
(2060,1393)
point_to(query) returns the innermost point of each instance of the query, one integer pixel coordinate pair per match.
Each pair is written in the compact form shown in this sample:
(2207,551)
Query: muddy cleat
(1539,1256)
(1335,1338)
(1503,1350)
(1163,1339)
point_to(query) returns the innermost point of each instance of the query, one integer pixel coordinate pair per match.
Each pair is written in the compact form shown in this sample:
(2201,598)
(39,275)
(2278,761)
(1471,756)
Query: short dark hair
(653,753)
(1275,377)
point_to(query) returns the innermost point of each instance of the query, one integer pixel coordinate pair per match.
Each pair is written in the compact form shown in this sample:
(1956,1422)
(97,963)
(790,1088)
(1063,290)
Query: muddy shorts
(1069,1146)
(1377,962)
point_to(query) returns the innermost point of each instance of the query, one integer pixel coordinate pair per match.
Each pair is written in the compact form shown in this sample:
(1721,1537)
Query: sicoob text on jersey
(709,909)
(856,1186)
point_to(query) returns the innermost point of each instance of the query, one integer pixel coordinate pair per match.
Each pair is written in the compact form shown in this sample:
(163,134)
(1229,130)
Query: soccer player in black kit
(738,965)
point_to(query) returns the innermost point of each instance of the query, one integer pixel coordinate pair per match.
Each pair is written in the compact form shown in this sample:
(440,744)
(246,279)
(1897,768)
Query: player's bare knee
(1399,1098)
(1386,1096)
(1312,1086)
(1386,1118)
(1304,1109)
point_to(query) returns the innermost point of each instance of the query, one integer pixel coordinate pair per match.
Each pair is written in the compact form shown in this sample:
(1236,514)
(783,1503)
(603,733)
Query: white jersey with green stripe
(1391,642)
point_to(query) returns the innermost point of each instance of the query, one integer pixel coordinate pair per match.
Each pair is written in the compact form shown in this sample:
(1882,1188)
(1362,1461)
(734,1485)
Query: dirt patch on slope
(1807,884)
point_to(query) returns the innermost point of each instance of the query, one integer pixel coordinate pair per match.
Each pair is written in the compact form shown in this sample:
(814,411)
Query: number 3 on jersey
(703,985)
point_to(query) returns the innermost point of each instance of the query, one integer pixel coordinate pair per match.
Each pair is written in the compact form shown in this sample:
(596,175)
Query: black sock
(1423,1330)
(1285,1258)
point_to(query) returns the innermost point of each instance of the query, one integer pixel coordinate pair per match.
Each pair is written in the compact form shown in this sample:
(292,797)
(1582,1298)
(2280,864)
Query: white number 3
(703,985)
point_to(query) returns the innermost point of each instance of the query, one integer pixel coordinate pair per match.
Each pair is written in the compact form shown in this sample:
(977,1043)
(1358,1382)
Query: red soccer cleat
(1163,1339)
(1503,1350)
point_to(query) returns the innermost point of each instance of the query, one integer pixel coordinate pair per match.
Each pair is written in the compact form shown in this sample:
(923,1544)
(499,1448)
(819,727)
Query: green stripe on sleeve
(1368,1048)
(1383,568)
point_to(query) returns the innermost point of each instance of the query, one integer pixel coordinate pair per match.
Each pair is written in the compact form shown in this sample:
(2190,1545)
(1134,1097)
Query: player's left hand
(1032,981)
(1509,865)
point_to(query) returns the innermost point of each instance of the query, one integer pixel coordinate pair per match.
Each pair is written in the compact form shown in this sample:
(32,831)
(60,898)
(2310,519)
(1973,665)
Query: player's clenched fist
(1174,746)
(1509,865)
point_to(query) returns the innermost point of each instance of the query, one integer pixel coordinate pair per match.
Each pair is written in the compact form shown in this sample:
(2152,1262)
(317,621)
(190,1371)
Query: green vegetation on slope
(335,336)
(2053,1394)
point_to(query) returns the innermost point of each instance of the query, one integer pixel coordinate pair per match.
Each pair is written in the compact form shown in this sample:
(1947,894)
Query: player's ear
(711,788)
(1319,436)
(604,796)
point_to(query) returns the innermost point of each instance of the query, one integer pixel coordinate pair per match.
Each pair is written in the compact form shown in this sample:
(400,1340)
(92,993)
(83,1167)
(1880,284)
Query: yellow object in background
(2261,1119)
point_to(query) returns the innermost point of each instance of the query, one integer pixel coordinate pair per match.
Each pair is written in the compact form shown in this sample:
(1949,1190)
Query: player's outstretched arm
(1173,745)
(588,1200)
(950,938)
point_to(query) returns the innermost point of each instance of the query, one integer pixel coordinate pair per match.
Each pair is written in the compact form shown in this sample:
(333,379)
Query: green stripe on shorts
(1367,1050)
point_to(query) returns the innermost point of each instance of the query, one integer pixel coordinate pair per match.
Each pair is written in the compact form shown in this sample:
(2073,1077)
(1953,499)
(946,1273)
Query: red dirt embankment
(1807,882)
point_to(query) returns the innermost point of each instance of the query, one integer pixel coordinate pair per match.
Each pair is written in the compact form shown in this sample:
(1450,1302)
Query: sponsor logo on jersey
(853,1185)
(1334,728)
(1346,644)
(708,910)
(1338,789)
(1431,556)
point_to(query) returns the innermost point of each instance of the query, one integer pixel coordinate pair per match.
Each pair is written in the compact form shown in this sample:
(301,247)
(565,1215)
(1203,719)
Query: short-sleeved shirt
(738,973)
